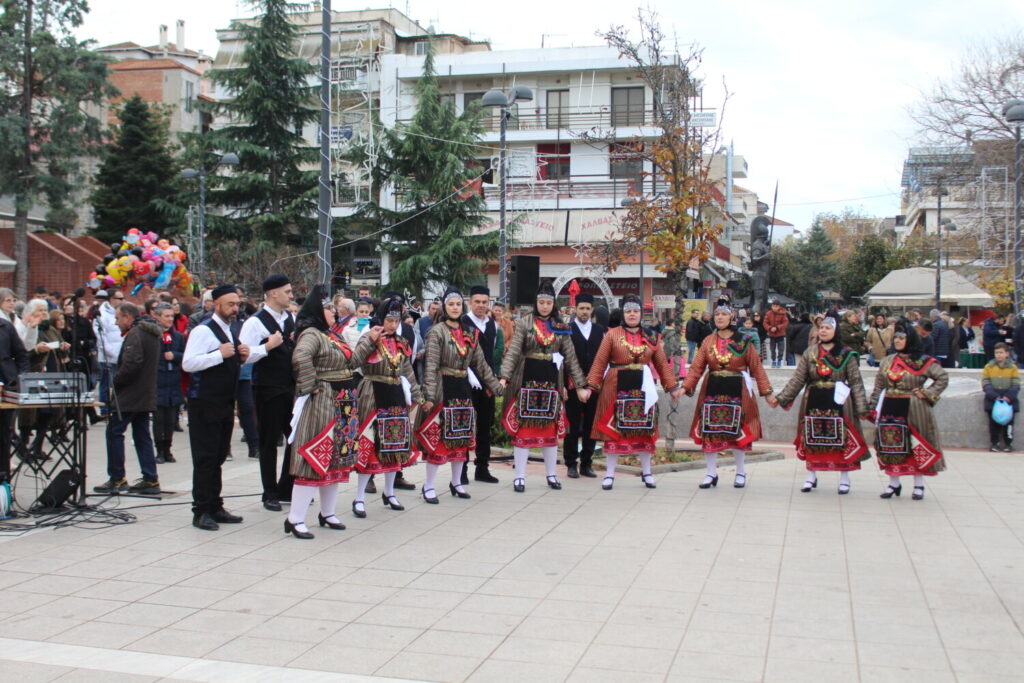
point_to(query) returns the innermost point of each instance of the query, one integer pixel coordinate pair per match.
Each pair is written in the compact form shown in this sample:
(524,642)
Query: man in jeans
(776,322)
(108,344)
(694,334)
(134,387)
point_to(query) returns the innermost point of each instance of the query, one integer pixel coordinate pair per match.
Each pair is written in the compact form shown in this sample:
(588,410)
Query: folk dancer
(587,336)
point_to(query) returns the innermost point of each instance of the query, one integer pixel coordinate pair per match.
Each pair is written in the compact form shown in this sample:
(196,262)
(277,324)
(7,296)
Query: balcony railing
(579,118)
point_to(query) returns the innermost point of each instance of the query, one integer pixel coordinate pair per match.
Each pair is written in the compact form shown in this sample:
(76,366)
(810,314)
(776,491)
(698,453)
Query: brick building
(55,261)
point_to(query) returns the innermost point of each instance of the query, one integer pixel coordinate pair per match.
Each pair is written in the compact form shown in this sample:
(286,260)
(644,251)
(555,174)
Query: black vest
(487,338)
(586,349)
(408,334)
(275,370)
(217,384)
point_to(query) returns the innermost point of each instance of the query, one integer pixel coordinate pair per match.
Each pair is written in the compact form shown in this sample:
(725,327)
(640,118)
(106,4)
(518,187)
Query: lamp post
(939,191)
(497,98)
(1013,112)
(229,159)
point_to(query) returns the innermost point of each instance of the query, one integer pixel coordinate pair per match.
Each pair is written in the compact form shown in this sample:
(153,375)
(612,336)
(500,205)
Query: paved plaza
(673,584)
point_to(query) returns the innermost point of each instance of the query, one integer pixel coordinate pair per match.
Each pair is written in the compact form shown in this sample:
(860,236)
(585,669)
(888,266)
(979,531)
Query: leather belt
(539,356)
(384,379)
(334,375)
(726,373)
(454,372)
(824,385)
(627,366)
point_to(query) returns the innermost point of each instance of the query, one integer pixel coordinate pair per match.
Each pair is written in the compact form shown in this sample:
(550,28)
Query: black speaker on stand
(523,279)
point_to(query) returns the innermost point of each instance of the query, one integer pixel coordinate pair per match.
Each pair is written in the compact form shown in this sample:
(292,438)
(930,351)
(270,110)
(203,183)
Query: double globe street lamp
(229,159)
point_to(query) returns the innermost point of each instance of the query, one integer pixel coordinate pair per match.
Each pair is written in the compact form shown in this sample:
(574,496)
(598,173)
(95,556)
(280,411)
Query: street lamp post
(229,159)
(1013,112)
(497,98)
(940,191)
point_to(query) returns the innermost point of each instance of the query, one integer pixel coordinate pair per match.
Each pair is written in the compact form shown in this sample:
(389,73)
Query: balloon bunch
(141,259)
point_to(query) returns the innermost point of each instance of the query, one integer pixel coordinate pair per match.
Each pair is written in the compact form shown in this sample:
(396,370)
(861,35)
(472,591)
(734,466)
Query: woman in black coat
(168,382)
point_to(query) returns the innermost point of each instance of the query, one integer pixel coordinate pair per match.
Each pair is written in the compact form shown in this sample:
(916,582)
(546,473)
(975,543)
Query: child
(748,330)
(1000,380)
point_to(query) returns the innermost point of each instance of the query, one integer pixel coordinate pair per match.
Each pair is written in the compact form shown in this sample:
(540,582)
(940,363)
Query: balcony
(574,192)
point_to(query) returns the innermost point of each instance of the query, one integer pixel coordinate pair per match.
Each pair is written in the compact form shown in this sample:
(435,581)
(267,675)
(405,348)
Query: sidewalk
(672,584)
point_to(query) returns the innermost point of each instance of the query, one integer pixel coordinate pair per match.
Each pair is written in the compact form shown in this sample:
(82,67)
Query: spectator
(694,334)
(940,337)
(798,337)
(991,334)
(7,302)
(776,322)
(134,387)
(33,314)
(965,334)
(1018,342)
(926,330)
(1000,380)
(202,312)
(13,363)
(851,333)
(169,397)
(360,324)
(503,319)
(108,343)
(182,310)
(49,354)
(748,330)
(879,339)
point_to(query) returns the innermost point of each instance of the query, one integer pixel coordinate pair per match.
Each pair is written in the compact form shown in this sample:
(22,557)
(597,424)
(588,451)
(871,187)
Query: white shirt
(481,323)
(254,331)
(585,328)
(203,348)
(108,334)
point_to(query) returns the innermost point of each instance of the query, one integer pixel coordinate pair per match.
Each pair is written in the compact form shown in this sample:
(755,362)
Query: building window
(627,164)
(553,161)
(421,48)
(628,106)
(558,109)
(448,101)
(190,93)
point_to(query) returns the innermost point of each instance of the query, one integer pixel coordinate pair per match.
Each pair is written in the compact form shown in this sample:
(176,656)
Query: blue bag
(1002,413)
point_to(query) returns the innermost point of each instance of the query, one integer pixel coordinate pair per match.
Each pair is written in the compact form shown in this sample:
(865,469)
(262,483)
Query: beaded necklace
(391,350)
(723,358)
(462,341)
(544,336)
(635,349)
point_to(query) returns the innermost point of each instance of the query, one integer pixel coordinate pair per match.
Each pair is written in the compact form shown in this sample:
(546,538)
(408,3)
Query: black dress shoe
(205,522)
(289,528)
(588,471)
(554,483)
(360,513)
(432,498)
(519,485)
(272,505)
(572,472)
(485,476)
(337,526)
(401,483)
(391,502)
(457,493)
(222,516)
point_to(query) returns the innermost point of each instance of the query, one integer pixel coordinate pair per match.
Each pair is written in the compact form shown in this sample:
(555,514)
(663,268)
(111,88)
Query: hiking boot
(112,487)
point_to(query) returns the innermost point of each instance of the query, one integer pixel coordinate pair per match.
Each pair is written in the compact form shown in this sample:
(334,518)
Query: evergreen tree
(136,173)
(430,164)
(47,77)
(273,189)
(816,250)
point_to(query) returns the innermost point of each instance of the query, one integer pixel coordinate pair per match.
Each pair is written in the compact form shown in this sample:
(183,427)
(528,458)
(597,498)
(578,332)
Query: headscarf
(391,307)
(631,302)
(312,312)
(546,290)
(914,347)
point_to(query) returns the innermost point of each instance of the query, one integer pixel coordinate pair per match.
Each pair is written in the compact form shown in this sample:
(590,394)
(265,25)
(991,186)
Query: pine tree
(429,161)
(136,173)
(816,250)
(273,189)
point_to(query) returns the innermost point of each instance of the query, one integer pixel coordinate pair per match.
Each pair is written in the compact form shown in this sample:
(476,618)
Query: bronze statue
(760,248)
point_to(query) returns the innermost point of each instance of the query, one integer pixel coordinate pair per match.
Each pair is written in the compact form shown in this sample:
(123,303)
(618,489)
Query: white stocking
(520,455)
(302,496)
(550,459)
(329,501)
(457,467)
(430,478)
(739,455)
(389,483)
(645,462)
(812,476)
(712,461)
(364,479)
(919,480)
(894,481)
(610,461)
(844,478)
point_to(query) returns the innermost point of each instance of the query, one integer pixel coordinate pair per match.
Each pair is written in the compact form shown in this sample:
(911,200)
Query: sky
(819,91)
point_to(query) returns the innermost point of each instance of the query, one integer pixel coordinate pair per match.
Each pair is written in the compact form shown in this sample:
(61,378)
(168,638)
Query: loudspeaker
(523,279)
(60,489)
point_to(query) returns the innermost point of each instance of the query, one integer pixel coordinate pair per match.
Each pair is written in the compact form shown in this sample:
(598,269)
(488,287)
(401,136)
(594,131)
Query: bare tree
(968,105)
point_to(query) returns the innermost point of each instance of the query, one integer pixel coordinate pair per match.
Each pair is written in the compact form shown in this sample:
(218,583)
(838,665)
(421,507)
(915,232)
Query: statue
(760,250)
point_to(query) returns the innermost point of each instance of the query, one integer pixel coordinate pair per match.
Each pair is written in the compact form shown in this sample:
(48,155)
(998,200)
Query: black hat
(546,289)
(394,295)
(275,280)
(220,291)
(479,289)
(585,298)
(312,312)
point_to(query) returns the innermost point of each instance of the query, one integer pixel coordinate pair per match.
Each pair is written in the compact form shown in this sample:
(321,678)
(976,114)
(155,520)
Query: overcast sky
(819,89)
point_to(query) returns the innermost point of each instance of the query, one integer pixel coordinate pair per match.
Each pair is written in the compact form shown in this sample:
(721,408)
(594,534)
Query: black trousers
(581,422)
(273,420)
(164,420)
(6,432)
(997,432)
(209,434)
(484,406)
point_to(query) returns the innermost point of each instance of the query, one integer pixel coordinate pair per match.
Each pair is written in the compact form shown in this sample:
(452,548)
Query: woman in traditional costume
(386,395)
(627,408)
(454,364)
(828,437)
(540,351)
(726,417)
(325,436)
(907,440)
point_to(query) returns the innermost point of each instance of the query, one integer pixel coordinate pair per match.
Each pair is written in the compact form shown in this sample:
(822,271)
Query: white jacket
(108,334)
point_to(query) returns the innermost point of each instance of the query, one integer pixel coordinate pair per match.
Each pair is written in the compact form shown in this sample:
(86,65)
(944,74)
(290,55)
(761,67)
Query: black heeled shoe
(361,514)
(289,528)
(430,499)
(891,491)
(607,483)
(457,493)
(808,485)
(737,483)
(918,493)
(519,485)
(387,502)
(708,482)
(337,526)
(649,484)
(556,485)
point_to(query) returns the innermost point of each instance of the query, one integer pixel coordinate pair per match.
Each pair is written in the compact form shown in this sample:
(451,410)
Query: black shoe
(289,528)
(555,484)
(254,452)
(401,483)
(708,482)
(1007,448)
(588,471)
(169,458)
(607,483)
(649,484)
(457,493)
(361,514)
(891,491)
(178,428)
(112,487)
(918,493)
(272,505)
(432,499)
(337,526)
(485,476)
(222,516)
(391,502)
(205,522)
(993,449)
(808,485)
(739,481)
(94,418)
(371,487)
(572,472)
(160,460)
(280,441)
(143,486)
(519,485)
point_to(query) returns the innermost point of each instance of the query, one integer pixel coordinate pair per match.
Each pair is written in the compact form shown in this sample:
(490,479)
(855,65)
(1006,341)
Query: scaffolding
(995,202)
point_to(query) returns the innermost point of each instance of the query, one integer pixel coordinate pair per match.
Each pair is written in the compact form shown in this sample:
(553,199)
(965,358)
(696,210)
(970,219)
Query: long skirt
(827,440)
(386,438)
(326,456)
(449,431)
(901,448)
(722,421)
(534,417)
(625,424)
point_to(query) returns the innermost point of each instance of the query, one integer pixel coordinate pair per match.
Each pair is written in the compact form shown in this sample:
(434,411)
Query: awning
(715,273)
(916,287)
